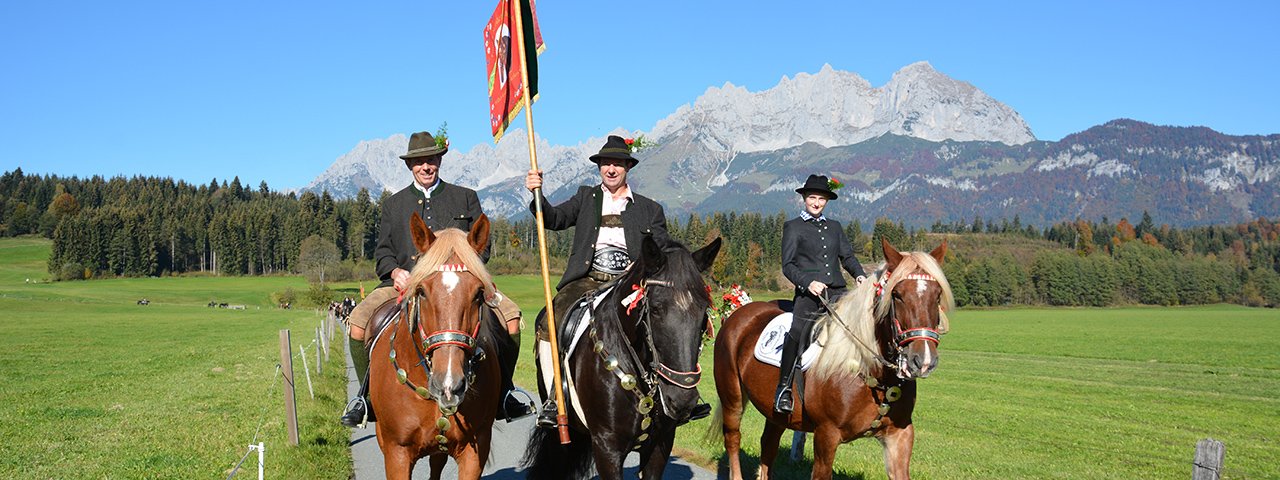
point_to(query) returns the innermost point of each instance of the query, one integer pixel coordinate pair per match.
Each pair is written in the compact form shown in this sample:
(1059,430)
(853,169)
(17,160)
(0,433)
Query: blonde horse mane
(845,345)
(450,242)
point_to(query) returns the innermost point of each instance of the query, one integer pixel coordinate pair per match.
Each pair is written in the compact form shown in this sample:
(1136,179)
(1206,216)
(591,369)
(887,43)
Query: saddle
(768,348)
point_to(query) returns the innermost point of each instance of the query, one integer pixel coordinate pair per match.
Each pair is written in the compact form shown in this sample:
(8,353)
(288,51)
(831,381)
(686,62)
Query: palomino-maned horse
(635,372)
(435,392)
(883,336)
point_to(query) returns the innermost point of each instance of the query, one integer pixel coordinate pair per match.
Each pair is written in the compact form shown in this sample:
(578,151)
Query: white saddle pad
(769,345)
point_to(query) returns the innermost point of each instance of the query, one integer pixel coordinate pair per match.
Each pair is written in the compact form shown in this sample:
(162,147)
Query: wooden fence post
(319,349)
(1209,456)
(290,406)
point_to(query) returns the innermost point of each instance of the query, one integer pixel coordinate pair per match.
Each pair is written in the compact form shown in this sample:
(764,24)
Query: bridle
(650,380)
(430,342)
(902,337)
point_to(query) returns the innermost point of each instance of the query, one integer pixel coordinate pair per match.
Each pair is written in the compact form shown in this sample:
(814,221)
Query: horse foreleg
(469,464)
(437,462)
(769,447)
(825,440)
(608,462)
(897,452)
(398,463)
(654,461)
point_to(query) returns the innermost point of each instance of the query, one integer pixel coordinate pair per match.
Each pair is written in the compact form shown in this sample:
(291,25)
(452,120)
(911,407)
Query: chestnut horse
(635,373)
(883,335)
(435,393)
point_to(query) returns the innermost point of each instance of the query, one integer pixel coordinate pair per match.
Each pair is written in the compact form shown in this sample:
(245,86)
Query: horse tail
(547,459)
(715,431)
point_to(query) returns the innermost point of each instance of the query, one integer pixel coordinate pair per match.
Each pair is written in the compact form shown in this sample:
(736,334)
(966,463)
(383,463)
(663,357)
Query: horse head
(447,291)
(915,296)
(674,314)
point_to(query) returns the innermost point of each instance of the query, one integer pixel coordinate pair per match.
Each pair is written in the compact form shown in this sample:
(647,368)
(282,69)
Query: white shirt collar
(804,215)
(426,192)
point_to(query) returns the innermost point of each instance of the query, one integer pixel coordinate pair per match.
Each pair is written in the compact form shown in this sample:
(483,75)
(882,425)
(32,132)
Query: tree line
(148,226)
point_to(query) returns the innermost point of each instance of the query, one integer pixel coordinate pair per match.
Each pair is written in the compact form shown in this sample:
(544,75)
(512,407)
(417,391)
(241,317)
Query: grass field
(98,387)
(95,386)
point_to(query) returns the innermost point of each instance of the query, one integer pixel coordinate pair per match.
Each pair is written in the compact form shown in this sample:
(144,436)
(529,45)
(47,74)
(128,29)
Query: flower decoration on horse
(732,299)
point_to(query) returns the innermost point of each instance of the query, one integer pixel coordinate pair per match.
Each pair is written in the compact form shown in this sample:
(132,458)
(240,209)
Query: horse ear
(891,256)
(940,252)
(705,256)
(479,236)
(422,236)
(651,255)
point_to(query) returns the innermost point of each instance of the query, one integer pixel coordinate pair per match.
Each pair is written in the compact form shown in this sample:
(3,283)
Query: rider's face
(613,173)
(814,203)
(425,169)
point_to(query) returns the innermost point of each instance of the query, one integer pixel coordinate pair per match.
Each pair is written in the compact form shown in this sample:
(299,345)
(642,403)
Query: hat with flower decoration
(618,148)
(819,184)
(422,144)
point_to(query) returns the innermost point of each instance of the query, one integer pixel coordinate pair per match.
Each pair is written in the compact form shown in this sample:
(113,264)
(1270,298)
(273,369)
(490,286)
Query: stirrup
(782,401)
(349,419)
(547,416)
(526,406)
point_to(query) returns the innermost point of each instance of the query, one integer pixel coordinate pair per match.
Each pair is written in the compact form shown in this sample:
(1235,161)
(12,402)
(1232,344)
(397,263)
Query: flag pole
(562,418)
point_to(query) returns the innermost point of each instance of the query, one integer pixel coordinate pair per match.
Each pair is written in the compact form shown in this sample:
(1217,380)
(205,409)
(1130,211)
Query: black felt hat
(422,144)
(616,148)
(817,184)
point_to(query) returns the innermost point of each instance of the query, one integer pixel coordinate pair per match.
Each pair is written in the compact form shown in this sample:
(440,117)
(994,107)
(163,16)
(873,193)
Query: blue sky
(276,91)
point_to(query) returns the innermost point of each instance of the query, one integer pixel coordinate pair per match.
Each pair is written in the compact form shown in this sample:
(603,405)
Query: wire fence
(321,338)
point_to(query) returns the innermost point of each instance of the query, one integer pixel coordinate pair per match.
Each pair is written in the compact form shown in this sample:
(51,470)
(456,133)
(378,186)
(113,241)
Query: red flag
(502,59)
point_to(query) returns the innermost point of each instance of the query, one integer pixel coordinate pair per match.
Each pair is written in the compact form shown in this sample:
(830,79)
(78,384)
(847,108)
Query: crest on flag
(503,62)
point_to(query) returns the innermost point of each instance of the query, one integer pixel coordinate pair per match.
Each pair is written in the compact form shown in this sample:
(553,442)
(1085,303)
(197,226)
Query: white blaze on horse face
(921,286)
(450,280)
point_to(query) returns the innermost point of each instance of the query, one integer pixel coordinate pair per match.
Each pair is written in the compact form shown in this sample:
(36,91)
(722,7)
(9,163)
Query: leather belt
(601,276)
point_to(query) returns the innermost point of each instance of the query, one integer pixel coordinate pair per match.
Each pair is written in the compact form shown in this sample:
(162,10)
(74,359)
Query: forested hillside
(145,226)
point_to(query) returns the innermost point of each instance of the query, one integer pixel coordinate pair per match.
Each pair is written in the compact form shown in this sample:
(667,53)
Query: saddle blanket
(587,319)
(769,345)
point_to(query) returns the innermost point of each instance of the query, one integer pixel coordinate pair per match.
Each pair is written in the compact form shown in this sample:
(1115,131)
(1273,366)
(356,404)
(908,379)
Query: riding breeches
(805,313)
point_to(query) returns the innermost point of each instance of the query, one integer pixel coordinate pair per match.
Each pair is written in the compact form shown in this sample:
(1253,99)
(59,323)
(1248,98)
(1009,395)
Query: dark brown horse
(632,379)
(435,392)
(883,335)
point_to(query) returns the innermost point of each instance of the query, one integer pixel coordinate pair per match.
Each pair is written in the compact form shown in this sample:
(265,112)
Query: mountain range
(922,148)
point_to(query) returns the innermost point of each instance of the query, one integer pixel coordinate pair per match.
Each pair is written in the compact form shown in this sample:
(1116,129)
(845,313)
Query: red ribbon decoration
(635,301)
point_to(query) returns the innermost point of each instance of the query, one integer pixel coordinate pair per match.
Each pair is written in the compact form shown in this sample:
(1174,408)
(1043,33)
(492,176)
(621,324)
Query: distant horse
(893,322)
(635,372)
(435,391)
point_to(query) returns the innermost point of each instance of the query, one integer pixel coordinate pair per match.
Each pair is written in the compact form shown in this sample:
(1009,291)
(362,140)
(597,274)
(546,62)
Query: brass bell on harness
(441,440)
(611,363)
(645,406)
(628,381)
(893,394)
(871,381)
(401,375)
(442,424)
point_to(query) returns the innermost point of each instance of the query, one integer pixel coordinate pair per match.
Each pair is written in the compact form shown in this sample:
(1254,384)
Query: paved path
(509,442)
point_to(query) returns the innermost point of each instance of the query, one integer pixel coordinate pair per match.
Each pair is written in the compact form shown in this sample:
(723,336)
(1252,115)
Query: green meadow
(95,386)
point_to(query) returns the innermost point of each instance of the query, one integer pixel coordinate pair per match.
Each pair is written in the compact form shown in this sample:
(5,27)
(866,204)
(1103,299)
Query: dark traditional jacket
(815,250)
(450,206)
(643,216)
